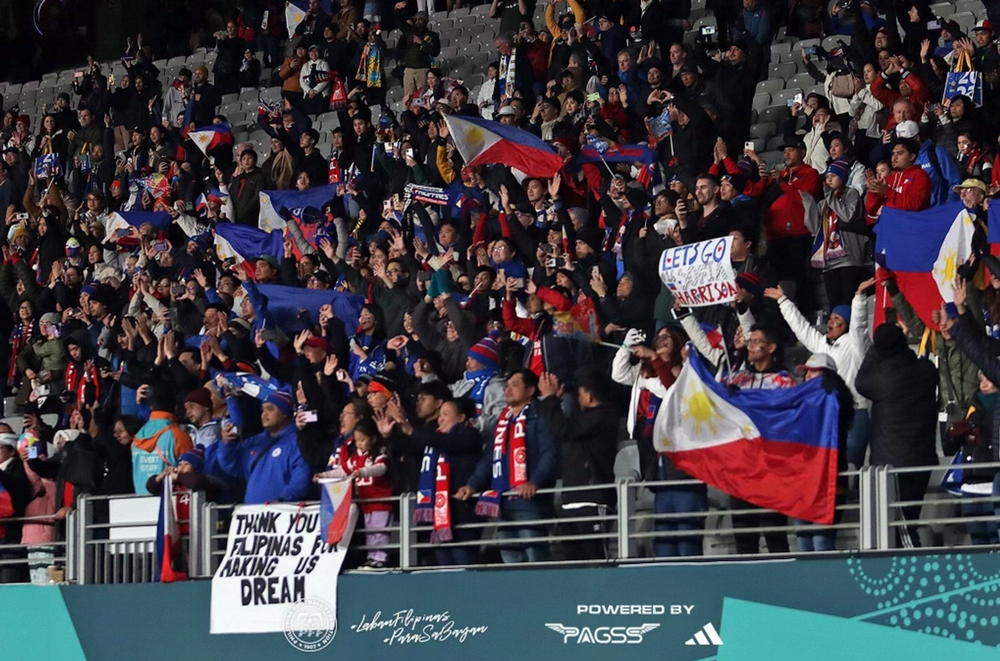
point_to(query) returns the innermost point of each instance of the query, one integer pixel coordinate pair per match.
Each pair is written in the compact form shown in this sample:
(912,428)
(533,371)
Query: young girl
(368,464)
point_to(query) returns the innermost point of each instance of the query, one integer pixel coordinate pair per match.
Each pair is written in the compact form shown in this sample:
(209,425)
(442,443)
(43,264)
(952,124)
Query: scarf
(370,69)
(480,379)
(435,478)
(971,159)
(828,246)
(78,378)
(510,462)
(507,75)
(19,340)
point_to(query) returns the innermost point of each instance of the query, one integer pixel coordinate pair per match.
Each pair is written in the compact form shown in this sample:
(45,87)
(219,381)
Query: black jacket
(589,446)
(903,390)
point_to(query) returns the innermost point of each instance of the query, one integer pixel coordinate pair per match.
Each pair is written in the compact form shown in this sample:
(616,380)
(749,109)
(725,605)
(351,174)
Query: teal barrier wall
(908,607)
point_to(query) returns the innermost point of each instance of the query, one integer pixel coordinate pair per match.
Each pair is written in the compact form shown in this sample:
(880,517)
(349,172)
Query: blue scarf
(480,379)
(510,461)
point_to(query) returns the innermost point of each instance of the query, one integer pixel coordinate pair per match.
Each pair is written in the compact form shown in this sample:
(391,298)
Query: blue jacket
(758,24)
(281,475)
(943,181)
(543,462)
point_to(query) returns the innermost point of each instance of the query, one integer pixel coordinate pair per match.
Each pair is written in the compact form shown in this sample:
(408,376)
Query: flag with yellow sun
(773,448)
(925,250)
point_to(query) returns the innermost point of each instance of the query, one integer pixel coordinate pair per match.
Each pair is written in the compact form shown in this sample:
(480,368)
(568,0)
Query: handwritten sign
(275,558)
(701,273)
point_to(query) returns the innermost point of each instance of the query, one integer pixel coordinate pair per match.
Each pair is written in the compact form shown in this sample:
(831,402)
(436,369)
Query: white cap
(506,110)
(907,129)
(819,361)
(8,438)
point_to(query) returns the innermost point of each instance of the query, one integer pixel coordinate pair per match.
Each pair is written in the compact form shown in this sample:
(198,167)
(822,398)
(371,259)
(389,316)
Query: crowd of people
(159,358)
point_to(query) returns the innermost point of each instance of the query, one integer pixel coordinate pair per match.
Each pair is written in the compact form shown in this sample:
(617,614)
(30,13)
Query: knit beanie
(839,168)
(843,311)
(195,456)
(201,397)
(282,399)
(487,352)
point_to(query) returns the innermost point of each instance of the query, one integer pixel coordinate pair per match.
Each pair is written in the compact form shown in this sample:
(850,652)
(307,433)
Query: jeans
(749,542)
(677,500)
(857,438)
(980,532)
(521,552)
(910,486)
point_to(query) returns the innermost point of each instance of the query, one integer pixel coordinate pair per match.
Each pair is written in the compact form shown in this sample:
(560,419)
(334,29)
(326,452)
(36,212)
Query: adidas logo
(707,636)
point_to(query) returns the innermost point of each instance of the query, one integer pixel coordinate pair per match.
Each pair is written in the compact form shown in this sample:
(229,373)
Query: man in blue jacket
(270,461)
(941,167)
(522,458)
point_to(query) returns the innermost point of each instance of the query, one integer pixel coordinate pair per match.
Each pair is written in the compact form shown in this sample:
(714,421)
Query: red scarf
(79,378)
(510,461)
(442,501)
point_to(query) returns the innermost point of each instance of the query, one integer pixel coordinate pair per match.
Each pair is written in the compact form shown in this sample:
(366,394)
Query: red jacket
(786,216)
(918,95)
(909,190)
(374,486)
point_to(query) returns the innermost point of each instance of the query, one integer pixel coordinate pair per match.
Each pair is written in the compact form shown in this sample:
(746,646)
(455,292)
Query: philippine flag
(123,220)
(171,565)
(6,504)
(214,196)
(335,510)
(295,13)
(209,137)
(774,448)
(482,141)
(246,244)
(273,201)
(285,305)
(924,249)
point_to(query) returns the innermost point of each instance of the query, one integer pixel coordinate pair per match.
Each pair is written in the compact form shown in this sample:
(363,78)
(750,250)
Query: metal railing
(23,562)
(628,529)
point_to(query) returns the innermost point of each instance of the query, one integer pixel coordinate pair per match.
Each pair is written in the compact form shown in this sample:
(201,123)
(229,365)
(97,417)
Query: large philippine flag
(335,509)
(924,249)
(123,220)
(774,448)
(483,141)
(246,244)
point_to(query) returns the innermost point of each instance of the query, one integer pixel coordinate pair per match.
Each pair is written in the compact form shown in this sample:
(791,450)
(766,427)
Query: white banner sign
(701,273)
(275,558)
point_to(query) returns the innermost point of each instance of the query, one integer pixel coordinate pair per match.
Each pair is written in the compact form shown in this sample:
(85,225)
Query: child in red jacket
(366,461)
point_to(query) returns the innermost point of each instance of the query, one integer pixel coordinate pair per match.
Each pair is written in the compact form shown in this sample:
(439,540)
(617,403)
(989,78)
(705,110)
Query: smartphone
(708,30)
(177,289)
(546,248)
(78,75)
(409,153)
(388,147)
(21,216)
(161,246)
(263,23)
(593,97)
(809,50)
(934,25)
(550,263)
(310,416)
(424,276)
(123,233)
(798,98)
(790,102)
(712,53)
(748,145)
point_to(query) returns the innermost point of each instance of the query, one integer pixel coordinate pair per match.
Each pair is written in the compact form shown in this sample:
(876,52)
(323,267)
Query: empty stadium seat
(763,130)
(776,114)
(801,80)
(782,71)
(761,100)
(770,86)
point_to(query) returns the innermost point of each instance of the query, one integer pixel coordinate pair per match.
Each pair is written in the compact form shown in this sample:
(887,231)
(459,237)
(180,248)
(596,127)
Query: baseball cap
(907,129)
(984,24)
(970,183)
(270,259)
(506,111)
(818,361)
